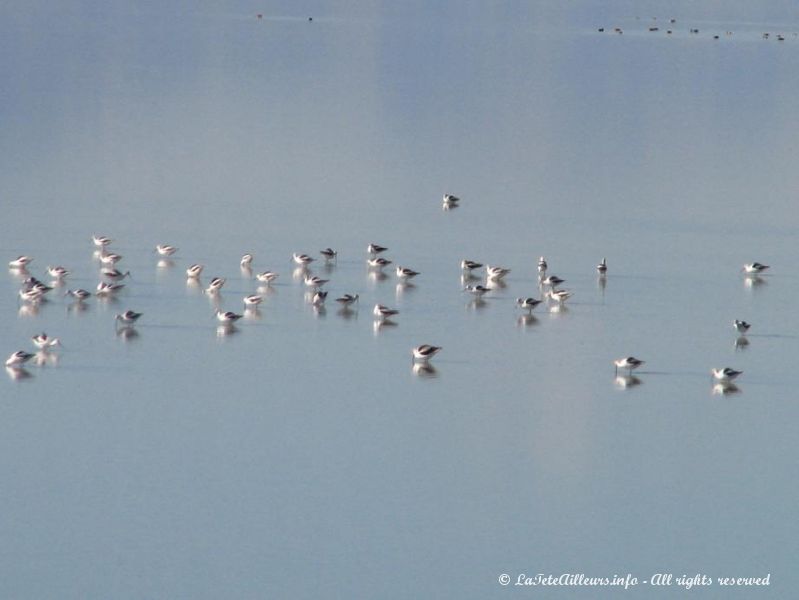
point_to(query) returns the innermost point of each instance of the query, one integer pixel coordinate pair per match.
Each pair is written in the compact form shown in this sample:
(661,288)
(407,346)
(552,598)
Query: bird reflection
(18,373)
(468,277)
(28,310)
(45,359)
(165,263)
(377,276)
(627,381)
(558,309)
(476,304)
(319,310)
(496,284)
(379,325)
(266,290)
(252,312)
(424,370)
(77,307)
(127,333)
(741,342)
(223,331)
(526,321)
(299,273)
(725,388)
(754,281)
(402,288)
(246,272)
(346,312)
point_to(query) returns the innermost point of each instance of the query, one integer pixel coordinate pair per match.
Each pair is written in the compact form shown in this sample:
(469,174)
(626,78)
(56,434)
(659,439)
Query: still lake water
(302,456)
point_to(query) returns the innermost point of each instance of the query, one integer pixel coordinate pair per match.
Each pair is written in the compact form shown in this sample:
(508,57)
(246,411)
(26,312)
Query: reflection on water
(226,330)
(379,325)
(424,370)
(165,263)
(527,320)
(43,358)
(18,373)
(741,342)
(127,333)
(754,281)
(626,381)
(725,389)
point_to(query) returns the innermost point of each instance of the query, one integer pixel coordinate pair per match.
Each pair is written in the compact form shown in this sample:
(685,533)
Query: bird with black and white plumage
(108,289)
(312,281)
(470,265)
(165,249)
(266,276)
(110,258)
(628,362)
(378,262)
(57,272)
(114,273)
(101,241)
(559,296)
(450,201)
(302,259)
(375,249)
(725,374)
(45,342)
(246,261)
(328,254)
(754,268)
(552,281)
(542,265)
(79,294)
(741,326)
(194,271)
(476,290)
(347,299)
(253,300)
(18,358)
(129,317)
(384,312)
(602,268)
(318,298)
(406,273)
(527,304)
(496,273)
(21,262)
(227,317)
(215,285)
(425,352)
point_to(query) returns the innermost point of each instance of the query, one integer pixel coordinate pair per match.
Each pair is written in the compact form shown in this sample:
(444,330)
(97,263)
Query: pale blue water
(302,456)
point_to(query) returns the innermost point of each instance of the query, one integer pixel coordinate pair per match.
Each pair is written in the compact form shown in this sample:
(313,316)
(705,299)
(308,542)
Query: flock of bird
(33,291)
(669,29)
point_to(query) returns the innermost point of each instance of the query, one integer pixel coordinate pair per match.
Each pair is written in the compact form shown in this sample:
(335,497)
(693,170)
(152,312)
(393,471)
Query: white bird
(79,294)
(253,300)
(450,200)
(559,296)
(57,272)
(315,282)
(384,312)
(107,289)
(725,374)
(552,281)
(542,265)
(266,276)
(754,268)
(628,362)
(114,273)
(302,259)
(406,273)
(347,299)
(246,260)
(20,262)
(328,253)
(129,317)
(378,262)
(319,298)
(43,341)
(496,273)
(470,265)
(101,241)
(110,258)
(18,358)
(32,295)
(602,267)
(215,285)
(527,303)
(477,290)
(375,249)
(741,326)
(165,249)
(227,317)
(194,271)
(425,352)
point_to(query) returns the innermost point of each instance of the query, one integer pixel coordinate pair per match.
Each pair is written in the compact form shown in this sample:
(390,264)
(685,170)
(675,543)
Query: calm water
(302,456)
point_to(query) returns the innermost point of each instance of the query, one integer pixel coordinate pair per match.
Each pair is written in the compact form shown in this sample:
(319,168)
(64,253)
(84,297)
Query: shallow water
(302,455)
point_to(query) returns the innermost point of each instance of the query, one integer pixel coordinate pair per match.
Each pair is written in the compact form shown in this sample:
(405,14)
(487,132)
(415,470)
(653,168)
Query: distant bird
(246,260)
(266,276)
(406,273)
(32,295)
(18,358)
(114,273)
(552,281)
(629,363)
(57,272)
(375,249)
(425,352)
(227,316)
(253,300)
(527,303)
(329,253)
(129,317)
(110,258)
(215,285)
(378,263)
(78,294)
(108,289)
(302,259)
(101,241)
(741,326)
(542,265)
(44,341)
(725,374)
(194,271)
(384,312)
(347,299)
(559,296)
(477,290)
(602,267)
(754,267)
(470,265)
(165,249)
(318,298)
(450,201)
(496,273)
(20,262)
(314,281)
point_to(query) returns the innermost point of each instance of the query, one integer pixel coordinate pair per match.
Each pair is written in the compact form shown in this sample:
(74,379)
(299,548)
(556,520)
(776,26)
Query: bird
(302,259)
(215,285)
(110,258)
(527,303)
(328,253)
(470,265)
(165,249)
(425,352)
(107,289)
(725,374)
(375,249)
(450,201)
(319,298)
(378,262)
(384,312)
(20,262)
(552,281)
(253,300)
(57,272)
(406,273)
(246,260)
(18,358)
(542,265)
(602,267)
(79,294)
(741,326)
(629,363)
(101,241)
(496,273)
(559,296)
(266,276)
(477,290)
(44,341)
(32,295)
(114,273)
(315,282)
(347,299)
(754,268)
(227,316)
(129,317)
(194,271)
